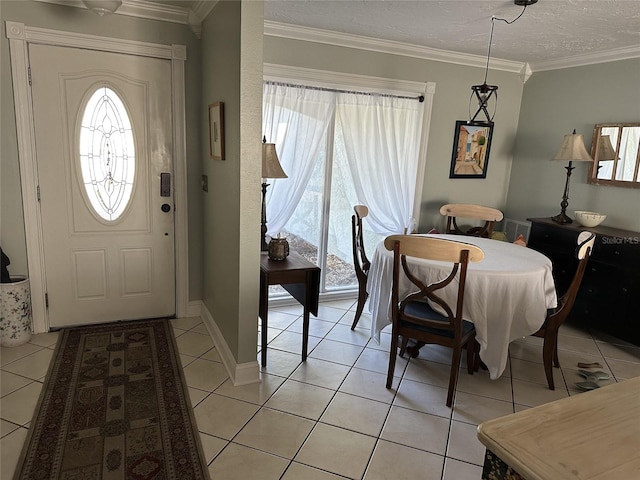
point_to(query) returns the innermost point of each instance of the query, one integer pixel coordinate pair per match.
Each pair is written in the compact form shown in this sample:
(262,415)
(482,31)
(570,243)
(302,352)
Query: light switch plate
(205,183)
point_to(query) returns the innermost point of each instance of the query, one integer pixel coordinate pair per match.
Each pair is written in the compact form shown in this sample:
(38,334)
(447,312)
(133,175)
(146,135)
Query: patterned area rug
(114,406)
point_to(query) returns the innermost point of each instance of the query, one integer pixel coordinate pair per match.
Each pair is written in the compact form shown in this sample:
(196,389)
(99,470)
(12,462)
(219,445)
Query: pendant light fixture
(485,94)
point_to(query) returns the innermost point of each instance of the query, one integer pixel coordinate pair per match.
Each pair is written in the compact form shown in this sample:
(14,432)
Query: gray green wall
(553,104)
(232,73)
(57,17)
(451,103)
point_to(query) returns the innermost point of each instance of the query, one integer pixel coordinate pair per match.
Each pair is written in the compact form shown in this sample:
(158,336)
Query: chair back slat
(453,211)
(361,210)
(585,244)
(433,248)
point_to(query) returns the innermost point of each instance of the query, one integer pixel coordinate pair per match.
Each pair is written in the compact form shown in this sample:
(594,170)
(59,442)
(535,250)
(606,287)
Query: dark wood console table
(608,296)
(301,279)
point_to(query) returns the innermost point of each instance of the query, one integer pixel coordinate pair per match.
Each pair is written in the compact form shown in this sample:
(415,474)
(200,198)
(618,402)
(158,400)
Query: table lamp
(571,150)
(270,169)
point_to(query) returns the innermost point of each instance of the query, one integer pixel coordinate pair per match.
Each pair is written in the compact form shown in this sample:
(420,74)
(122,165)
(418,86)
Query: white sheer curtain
(382,137)
(628,154)
(296,119)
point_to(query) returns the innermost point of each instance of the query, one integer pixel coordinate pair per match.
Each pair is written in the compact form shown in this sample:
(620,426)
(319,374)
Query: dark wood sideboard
(609,296)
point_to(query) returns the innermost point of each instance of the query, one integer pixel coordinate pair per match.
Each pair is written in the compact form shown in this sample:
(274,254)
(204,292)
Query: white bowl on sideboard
(589,219)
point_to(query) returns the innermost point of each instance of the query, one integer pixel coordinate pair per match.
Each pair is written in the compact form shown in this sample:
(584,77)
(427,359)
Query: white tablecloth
(506,295)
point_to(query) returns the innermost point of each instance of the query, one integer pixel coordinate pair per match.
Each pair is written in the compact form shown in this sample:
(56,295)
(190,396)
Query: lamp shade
(270,164)
(573,150)
(605,149)
(102,7)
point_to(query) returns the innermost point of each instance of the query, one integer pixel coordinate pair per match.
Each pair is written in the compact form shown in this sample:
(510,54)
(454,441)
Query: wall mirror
(615,148)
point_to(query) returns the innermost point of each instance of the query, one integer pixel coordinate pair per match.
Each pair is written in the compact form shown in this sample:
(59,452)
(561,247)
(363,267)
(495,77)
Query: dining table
(507,294)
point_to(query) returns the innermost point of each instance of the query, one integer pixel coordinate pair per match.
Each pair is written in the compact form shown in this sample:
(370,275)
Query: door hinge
(29,74)
(38,192)
(46,300)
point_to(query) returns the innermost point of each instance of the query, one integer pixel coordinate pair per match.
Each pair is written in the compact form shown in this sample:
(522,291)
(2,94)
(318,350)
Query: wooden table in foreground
(301,279)
(594,435)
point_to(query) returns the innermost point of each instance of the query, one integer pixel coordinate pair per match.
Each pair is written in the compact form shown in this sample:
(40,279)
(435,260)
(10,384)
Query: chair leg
(453,377)
(547,356)
(556,361)
(362,298)
(472,348)
(413,350)
(392,358)
(477,361)
(403,346)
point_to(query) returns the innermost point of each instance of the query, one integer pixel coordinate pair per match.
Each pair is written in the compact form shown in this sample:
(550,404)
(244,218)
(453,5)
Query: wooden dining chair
(413,317)
(556,317)
(453,211)
(360,261)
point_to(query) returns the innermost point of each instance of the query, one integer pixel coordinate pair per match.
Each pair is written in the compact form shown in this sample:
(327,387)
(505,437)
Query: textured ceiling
(549,31)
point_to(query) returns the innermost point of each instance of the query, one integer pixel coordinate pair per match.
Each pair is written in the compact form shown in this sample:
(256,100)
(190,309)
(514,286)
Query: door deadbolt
(165,184)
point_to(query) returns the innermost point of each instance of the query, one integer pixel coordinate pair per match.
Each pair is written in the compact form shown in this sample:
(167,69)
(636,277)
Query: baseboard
(240,373)
(194,309)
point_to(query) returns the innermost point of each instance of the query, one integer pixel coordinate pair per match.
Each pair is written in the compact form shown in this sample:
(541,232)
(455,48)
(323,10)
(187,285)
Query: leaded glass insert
(107,153)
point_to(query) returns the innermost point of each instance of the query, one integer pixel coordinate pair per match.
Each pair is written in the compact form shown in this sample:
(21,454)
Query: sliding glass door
(340,149)
(320,227)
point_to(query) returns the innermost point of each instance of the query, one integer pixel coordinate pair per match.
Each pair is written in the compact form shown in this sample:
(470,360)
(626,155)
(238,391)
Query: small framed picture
(471,145)
(216,131)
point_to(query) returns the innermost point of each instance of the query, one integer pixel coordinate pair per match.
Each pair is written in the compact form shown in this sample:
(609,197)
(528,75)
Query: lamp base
(263,227)
(562,218)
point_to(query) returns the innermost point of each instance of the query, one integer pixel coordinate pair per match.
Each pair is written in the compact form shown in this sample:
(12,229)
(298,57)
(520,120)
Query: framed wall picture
(216,131)
(471,146)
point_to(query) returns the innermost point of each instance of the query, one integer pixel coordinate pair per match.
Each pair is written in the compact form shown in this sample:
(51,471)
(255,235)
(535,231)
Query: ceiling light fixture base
(524,3)
(102,7)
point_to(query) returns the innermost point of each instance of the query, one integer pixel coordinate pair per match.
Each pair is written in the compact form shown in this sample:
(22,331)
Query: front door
(104,156)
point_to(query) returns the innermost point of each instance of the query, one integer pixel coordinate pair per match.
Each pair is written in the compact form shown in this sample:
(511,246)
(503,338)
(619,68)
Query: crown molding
(580,60)
(308,34)
(202,8)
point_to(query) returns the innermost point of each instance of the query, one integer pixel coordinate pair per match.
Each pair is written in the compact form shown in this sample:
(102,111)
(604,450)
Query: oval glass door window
(107,154)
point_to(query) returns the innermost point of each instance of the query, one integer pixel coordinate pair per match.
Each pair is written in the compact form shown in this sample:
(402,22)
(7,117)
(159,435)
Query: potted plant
(15,306)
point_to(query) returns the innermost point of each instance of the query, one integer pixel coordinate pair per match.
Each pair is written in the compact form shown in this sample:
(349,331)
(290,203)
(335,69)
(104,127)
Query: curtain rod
(420,98)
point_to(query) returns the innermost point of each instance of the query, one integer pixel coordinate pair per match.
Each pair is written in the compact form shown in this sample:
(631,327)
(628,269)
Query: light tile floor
(332,417)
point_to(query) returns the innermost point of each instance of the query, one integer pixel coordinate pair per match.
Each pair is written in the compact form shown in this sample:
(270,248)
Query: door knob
(165,207)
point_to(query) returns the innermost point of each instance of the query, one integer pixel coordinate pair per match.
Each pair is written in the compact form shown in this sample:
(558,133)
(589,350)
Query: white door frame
(19,37)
